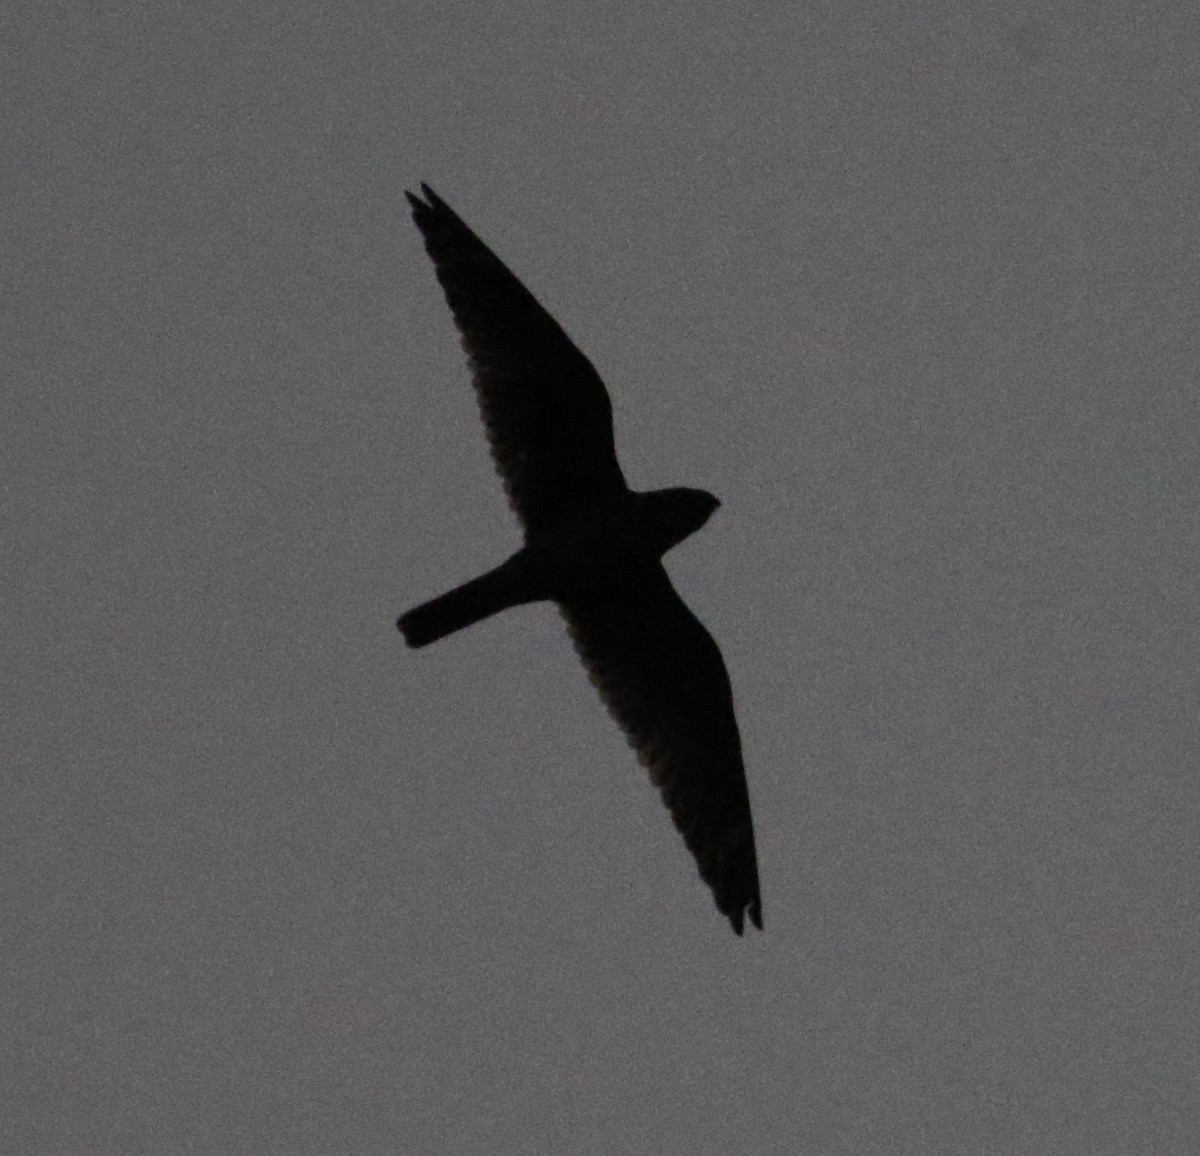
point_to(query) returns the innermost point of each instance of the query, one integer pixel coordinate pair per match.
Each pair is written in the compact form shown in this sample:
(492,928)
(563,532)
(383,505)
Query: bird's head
(671,515)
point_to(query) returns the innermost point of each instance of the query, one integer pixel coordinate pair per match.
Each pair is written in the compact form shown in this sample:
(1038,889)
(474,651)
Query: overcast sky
(912,288)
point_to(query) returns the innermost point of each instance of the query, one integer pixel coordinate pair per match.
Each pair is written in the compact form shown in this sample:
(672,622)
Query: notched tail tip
(405,628)
(415,636)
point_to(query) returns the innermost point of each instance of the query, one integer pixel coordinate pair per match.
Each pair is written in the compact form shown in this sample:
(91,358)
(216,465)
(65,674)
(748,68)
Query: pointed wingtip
(430,210)
(431,201)
(737,917)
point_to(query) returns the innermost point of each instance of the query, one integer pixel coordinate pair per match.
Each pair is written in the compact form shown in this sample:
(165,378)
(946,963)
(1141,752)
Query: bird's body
(594,547)
(580,550)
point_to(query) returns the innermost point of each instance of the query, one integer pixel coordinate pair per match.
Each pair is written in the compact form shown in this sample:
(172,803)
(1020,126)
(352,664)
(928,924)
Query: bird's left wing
(664,681)
(547,413)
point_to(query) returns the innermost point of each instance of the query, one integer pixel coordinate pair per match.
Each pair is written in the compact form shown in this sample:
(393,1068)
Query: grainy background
(912,288)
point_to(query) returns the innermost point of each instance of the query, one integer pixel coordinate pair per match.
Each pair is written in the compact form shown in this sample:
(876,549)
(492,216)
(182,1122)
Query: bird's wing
(547,413)
(664,681)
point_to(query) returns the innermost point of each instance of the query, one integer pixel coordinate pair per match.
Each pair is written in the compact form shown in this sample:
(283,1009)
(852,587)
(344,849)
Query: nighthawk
(594,547)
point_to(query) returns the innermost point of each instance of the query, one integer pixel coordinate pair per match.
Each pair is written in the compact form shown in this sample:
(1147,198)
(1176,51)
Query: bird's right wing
(664,681)
(547,413)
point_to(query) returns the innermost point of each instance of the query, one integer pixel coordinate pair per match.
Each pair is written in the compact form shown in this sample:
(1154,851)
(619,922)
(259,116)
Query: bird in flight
(594,547)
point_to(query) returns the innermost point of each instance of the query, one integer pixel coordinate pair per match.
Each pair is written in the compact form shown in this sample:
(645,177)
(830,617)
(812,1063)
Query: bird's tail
(507,585)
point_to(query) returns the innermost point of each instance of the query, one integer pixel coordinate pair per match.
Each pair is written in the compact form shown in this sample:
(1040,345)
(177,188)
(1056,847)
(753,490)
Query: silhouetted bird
(595,548)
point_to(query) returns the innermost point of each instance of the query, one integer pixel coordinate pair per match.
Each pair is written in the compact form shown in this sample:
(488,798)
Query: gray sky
(912,288)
